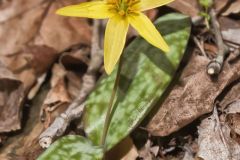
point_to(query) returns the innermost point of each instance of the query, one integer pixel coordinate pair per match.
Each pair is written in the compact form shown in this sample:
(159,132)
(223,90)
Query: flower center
(124,7)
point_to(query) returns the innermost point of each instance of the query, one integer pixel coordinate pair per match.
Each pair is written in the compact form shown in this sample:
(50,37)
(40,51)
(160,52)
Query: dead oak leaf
(230,29)
(192,97)
(57,96)
(215,142)
(11,100)
(41,26)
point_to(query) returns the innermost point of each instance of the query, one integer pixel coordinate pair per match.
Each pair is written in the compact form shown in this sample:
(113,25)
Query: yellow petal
(149,4)
(148,31)
(94,9)
(114,41)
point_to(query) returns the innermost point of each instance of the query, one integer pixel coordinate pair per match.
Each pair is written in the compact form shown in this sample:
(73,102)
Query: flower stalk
(110,106)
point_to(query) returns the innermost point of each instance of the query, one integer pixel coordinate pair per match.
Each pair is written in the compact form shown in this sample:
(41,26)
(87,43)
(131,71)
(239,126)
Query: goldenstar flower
(121,13)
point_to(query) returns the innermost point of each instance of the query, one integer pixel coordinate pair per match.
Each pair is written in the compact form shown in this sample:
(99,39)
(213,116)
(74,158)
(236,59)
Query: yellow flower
(121,13)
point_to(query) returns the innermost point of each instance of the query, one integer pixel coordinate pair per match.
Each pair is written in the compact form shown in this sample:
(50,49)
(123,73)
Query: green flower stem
(110,106)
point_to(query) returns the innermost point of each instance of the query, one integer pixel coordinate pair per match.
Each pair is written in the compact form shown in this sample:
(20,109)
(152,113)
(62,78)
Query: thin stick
(199,46)
(215,66)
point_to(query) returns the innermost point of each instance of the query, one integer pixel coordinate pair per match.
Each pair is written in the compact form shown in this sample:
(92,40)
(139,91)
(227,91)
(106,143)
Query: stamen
(124,7)
(121,13)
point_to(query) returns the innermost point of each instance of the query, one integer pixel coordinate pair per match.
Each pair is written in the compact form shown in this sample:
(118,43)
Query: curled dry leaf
(193,96)
(24,146)
(58,95)
(215,141)
(11,99)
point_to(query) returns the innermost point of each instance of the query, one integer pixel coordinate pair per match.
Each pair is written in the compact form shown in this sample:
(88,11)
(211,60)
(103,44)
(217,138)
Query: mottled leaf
(72,148)
(145,75)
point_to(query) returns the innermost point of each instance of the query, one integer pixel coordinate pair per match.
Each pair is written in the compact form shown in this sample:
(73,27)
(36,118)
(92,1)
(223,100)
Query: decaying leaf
(230,30)
(10,9)
(16,32)
(36,23)
(58,95)
(231,96)
(31,38)
(193,96)
(215,141)
(60,32)
(11,100)
(233,116)
(30,64)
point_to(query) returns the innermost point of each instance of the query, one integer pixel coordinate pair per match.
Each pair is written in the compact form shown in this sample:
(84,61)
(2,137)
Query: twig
(76,108)
(215,66)
(196,41)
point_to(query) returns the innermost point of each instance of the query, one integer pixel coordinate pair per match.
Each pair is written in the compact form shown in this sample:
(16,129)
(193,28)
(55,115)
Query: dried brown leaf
(233,116)
(215,141)
(219,5)
(10,9)
(29,64)
(231,96)
(17,32)
(230,29)
(58,95)
(61,32)
(11,99)
(234,8)
(192,97)
(28,22)
(76,63)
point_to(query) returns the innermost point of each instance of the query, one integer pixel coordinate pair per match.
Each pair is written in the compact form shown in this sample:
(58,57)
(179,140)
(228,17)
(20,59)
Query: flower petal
(148,31)
(95,9)
(149,4)
(114,41)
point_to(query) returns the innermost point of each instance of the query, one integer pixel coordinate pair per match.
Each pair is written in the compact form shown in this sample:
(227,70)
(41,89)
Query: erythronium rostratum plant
(139,90)
(121,13)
